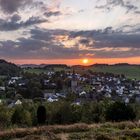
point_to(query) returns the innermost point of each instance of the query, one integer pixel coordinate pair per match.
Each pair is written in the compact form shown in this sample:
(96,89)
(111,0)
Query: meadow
(105,131)
(130,71)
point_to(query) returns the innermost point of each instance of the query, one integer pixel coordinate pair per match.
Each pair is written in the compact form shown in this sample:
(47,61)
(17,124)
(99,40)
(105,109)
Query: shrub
(119,112)
(5,117)
(21,117)
(41,115)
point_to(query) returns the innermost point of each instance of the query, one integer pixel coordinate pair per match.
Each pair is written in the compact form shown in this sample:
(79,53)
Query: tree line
(32,114)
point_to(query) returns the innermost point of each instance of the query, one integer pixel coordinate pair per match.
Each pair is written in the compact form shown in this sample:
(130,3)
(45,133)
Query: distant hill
(8,69)
(56,65)
(45,66)
(29,66)
(130,71)
(117,64)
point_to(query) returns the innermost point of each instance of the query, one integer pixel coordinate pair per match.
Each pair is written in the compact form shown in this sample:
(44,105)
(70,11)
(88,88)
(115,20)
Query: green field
(41,70)
(129,71)
(35,70)
(3,77)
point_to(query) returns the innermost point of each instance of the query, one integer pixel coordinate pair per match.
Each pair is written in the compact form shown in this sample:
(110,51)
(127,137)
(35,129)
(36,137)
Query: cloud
(11,6)
(52,13)
(15,18)
(17,14)
(137,12)
(110,4)
(64,44)
(15,23)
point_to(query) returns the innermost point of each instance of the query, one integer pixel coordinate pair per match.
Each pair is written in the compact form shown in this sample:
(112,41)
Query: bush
(5,117)
(41,115)
(21,117)
(119,112)
(92,112)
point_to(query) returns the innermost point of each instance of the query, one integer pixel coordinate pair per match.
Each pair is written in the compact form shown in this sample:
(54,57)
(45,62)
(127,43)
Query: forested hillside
(8,69)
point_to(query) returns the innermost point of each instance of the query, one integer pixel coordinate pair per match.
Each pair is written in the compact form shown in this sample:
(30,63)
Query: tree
(59,85)
(5,117)
(92,112)
(21,117)
(41,115)
(119,112)
(33,89)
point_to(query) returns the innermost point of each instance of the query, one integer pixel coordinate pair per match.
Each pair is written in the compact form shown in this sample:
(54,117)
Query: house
(82,93)
(52,99)
(107,95)
(74,84)
(22,83)
(137,99)
(2,88)
(126,100)
(61,95)
(11,82)
(18,102)
(14,103)
(48,85)
(11,105)
(77,102)
(48,94)
(16,78)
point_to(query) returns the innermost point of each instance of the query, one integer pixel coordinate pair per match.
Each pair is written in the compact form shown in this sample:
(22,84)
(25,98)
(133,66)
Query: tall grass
(106,131)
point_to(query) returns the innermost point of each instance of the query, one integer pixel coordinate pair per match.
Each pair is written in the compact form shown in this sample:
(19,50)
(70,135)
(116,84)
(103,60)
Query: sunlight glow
(85,61)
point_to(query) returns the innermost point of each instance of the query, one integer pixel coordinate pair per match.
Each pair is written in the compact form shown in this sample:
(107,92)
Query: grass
(106,131)
(35,70)
(41,70)
(130,71)
(3,77)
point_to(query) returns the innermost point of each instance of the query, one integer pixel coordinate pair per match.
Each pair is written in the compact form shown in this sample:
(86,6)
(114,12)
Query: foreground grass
(106,131)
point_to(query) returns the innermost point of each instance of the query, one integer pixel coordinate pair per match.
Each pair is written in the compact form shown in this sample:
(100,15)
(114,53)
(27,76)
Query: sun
(85,61)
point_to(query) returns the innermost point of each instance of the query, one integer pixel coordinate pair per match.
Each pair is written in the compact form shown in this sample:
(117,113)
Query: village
(54,86)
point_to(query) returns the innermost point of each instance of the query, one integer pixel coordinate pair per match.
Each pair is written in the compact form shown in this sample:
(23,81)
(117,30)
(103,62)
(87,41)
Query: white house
(18,102)
(51,99)
(82,93)
(2,88)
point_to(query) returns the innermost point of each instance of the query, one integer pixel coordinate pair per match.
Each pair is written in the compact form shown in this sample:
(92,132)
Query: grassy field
(129,71)
(35,70)
(41,70)
(106,131)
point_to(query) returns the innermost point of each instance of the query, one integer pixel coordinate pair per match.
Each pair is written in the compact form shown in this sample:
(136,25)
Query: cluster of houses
(116,87)
(87,87)
(97,86)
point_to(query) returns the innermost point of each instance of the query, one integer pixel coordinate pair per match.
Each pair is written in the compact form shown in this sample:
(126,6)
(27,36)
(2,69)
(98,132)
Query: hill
(130,71)
(105,131)
(8,69)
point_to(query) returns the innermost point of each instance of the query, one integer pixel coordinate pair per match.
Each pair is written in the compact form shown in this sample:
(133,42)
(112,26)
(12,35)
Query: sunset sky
(68,31)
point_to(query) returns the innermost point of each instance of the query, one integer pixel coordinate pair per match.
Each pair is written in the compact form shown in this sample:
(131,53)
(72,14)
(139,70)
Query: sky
(68,31)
